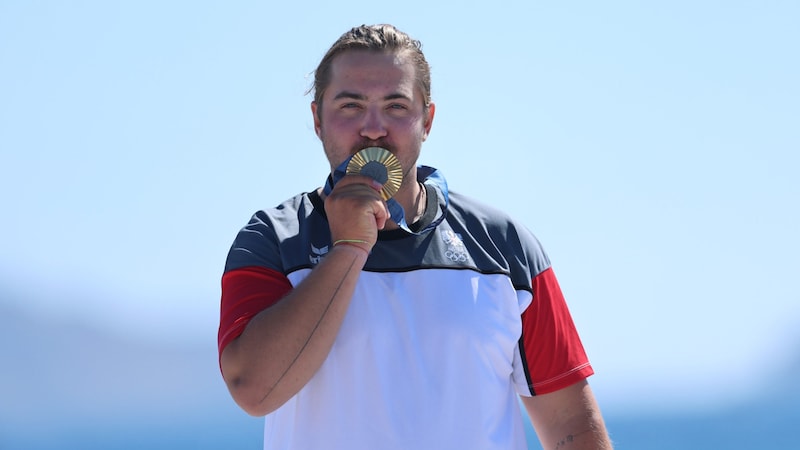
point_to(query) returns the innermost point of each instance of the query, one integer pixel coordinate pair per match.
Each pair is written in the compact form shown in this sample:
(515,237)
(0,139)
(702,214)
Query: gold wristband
(349,241)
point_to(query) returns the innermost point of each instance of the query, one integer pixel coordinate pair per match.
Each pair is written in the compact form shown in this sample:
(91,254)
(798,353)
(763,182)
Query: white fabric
(403,371)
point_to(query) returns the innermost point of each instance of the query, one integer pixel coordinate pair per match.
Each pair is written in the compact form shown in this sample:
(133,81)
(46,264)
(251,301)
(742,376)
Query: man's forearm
(568,419)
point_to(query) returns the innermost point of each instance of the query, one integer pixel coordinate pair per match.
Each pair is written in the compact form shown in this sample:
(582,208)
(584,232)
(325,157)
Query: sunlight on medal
(379,164)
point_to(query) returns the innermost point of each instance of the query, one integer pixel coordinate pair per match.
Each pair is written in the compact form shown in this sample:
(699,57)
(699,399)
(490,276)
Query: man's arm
(284,345)
(568,419)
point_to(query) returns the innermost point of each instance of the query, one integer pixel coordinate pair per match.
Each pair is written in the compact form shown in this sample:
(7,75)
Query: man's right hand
(356,211)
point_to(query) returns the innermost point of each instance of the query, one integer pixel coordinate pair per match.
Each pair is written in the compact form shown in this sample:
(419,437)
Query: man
(352,325)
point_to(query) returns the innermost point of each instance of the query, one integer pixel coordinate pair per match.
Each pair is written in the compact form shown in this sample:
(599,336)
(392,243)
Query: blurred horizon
(100,389)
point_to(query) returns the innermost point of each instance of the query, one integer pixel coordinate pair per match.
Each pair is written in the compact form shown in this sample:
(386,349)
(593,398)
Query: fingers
(356,210)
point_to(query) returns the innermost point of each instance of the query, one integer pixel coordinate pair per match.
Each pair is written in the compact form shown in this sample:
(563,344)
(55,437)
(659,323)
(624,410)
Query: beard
(330,151)
(365,143)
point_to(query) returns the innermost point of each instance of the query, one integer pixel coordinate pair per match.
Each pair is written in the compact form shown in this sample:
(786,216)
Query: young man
(352,325)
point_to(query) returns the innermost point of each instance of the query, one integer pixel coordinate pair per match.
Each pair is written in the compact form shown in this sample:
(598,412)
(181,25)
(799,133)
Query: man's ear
(315,113)
(429,120)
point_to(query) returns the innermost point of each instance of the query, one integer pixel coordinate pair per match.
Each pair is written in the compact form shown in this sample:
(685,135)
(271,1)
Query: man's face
(372,101)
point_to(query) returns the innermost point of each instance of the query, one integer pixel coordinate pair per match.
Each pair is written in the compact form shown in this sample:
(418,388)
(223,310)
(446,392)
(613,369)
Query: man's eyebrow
(397,96)
(349,95)
(355,96)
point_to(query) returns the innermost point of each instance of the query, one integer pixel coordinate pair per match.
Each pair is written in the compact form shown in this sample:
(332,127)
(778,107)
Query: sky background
(651,146)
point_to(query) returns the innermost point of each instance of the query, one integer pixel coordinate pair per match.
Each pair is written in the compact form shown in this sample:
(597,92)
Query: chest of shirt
(425,314)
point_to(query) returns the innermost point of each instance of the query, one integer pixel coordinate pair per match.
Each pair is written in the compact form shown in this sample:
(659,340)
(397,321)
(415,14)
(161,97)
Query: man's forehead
(355,71)
(362,61)
(398,57)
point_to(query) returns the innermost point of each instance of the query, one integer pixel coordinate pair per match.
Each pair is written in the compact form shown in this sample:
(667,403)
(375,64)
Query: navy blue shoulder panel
(285,238)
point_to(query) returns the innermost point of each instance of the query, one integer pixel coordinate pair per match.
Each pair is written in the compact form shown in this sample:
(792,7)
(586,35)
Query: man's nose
(373,127)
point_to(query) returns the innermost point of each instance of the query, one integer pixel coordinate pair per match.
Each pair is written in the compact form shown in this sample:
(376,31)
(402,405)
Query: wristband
(349,241)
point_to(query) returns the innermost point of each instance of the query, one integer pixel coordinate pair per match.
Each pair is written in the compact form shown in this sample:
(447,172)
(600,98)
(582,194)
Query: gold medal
(380,165)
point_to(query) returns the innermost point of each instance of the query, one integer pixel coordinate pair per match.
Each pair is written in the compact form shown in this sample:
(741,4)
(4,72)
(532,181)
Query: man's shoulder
(505,232)
(304,202)
(282,220)
(270,238)
(474,209)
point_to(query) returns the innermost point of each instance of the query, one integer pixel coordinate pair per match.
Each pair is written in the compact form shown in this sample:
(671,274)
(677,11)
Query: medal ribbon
(429,176)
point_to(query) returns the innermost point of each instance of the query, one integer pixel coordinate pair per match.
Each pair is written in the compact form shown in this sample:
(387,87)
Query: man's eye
(397,106)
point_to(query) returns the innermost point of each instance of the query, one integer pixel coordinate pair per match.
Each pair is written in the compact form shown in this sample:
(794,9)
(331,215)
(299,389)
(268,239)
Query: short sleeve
(551,351)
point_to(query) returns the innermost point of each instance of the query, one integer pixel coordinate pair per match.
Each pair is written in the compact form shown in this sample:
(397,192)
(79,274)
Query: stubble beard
(327,147)
(409,169)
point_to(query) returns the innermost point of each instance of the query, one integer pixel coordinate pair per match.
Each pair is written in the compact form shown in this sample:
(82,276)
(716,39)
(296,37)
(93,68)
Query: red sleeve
(552,352)
(245,293)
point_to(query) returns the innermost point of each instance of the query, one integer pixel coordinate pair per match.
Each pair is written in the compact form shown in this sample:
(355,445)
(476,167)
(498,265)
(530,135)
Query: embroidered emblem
(317,254)
(456,251)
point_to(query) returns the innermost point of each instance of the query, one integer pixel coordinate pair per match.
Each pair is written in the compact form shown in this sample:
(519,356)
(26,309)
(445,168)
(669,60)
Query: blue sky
(653,148)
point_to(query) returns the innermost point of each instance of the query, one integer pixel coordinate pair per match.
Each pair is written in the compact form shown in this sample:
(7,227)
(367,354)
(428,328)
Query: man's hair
(377,38)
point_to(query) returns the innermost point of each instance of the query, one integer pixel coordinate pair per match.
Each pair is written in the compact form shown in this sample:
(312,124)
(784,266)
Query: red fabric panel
(552,348)
(245,293)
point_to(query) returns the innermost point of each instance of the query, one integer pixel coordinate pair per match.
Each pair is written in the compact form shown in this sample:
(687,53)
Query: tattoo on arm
(560,444)
(313,330)
(568,439)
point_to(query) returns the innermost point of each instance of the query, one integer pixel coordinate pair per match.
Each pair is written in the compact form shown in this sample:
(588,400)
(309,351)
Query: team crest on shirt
(317,254)
(456,251)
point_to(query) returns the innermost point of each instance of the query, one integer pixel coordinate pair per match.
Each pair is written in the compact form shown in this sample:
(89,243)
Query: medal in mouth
(380,165)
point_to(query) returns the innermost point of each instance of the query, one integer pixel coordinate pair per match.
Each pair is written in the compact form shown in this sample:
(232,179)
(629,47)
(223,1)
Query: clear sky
(651,146)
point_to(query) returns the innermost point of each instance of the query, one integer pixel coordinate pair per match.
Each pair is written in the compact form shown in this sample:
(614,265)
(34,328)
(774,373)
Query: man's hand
(356,211)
